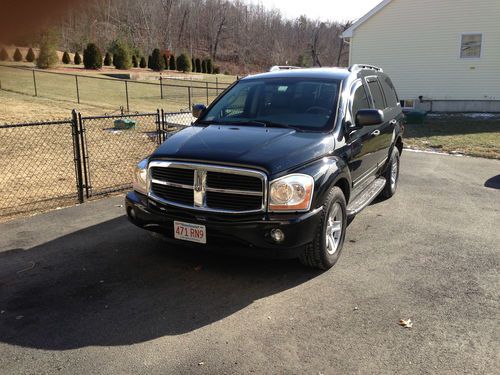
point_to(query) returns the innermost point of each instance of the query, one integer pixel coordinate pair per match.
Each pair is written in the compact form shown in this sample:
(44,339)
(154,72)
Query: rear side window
(378,97)
(390,92)
(359,100)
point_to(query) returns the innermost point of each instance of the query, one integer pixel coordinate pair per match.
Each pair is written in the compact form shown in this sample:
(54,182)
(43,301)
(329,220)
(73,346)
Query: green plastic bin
(415,117)
(124,123)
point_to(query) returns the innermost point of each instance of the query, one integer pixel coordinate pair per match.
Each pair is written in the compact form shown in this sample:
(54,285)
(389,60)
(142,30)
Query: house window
(407,103)
(471,46)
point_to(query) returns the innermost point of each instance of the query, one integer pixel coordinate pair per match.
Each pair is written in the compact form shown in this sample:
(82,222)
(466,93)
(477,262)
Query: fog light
(277,235)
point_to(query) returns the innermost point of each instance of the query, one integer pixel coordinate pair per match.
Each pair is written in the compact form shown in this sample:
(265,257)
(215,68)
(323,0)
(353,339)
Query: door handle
(376,132)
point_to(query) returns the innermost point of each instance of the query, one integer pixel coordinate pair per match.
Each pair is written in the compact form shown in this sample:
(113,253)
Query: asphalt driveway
(83,291)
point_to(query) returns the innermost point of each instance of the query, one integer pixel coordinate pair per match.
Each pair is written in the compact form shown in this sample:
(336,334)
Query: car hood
(273,149)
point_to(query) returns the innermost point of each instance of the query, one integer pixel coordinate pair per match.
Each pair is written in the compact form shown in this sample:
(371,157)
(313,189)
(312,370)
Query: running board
(365,197)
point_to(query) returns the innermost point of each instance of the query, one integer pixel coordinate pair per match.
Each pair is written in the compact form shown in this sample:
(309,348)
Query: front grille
(174,194)
(230,181)
(207,187)
(234,202)
(176,175)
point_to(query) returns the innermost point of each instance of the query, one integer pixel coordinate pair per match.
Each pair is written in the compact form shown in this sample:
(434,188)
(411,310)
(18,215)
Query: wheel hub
(334,229)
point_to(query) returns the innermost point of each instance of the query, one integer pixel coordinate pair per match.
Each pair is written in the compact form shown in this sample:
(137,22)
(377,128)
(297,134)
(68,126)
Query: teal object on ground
(125,123)
(415,117)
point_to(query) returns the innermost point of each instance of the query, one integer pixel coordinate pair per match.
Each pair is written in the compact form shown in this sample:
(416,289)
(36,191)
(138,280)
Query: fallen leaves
(405,323)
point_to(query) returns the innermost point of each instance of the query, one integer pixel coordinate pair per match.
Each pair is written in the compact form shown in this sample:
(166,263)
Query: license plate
(190,232)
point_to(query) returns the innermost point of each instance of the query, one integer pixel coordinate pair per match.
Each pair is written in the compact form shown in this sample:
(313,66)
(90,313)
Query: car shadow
(112,284)
(493,183)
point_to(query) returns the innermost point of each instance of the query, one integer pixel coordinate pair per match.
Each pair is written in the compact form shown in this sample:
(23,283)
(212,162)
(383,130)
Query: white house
(442,55)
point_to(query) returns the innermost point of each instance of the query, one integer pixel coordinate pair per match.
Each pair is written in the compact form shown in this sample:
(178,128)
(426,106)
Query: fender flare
(328,172)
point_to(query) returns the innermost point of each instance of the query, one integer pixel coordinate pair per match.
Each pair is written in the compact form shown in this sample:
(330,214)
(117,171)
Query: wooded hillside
(239,37)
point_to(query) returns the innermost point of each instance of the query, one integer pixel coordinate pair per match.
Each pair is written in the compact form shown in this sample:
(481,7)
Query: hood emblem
(199,187)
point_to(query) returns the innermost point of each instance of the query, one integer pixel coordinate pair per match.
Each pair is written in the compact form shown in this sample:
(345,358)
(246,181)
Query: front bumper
(227,232)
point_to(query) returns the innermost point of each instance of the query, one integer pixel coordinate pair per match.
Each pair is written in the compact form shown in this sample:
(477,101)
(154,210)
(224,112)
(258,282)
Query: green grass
(110,94)
(468,135)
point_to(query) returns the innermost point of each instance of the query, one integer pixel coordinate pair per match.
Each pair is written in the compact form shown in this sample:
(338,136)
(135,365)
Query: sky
(325,10)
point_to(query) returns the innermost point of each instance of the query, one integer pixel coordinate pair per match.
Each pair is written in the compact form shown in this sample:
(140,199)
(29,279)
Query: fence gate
(111,146)
(38,166)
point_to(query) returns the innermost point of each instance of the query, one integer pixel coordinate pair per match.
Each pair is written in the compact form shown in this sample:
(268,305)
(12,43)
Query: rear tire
(324,251)
(391,175)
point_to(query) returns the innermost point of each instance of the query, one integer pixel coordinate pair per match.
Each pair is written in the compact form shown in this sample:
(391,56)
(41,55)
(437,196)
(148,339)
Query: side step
(365,197)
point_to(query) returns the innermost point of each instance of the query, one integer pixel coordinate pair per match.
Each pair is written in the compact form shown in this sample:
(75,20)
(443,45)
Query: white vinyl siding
(419,45)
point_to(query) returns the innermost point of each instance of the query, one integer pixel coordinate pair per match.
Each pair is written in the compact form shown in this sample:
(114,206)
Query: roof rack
(358,67)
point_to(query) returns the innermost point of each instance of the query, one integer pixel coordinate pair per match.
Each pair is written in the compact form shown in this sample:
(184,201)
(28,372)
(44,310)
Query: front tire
(326,247)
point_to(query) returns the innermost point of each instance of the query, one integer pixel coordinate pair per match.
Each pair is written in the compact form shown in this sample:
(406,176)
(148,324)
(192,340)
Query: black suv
(277,163)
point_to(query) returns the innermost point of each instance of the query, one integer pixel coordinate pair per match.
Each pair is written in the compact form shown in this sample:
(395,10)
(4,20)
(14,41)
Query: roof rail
(358,67)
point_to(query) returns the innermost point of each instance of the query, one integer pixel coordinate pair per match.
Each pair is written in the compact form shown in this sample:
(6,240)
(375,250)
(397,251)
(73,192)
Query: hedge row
(122,58)
(30,55)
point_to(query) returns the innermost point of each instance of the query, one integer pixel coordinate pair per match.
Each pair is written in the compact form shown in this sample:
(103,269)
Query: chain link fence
(159,91)
(44,165)
(37,166)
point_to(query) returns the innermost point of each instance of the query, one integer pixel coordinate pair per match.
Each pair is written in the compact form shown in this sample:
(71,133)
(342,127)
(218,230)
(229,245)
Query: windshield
(302,103)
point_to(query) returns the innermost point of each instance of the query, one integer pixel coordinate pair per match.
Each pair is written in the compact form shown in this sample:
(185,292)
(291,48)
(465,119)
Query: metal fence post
(217,85)
(207,91)
(189,96)
(86,172)
(77,155)
(158,127)
(77,90)
(161,87)
(126,94)
(164,134)
(34,82)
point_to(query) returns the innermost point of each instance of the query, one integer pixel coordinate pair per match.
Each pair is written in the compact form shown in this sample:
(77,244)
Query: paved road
(82,291)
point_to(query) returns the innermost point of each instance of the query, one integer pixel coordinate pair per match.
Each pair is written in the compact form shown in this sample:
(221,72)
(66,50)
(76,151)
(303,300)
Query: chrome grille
(207,187)
(179,176)
(236,182)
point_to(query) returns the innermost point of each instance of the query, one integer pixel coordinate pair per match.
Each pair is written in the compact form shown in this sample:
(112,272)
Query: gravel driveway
(83,291)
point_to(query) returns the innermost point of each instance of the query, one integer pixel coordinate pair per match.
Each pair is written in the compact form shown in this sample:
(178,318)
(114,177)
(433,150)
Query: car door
(392,113)
(383,133)
(361,142)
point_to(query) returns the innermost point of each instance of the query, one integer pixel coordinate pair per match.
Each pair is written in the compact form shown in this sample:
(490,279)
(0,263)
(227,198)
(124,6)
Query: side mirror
(197,110)
(366,117)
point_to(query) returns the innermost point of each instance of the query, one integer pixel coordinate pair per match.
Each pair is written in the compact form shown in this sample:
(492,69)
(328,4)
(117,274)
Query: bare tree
(241,36)
(342,42)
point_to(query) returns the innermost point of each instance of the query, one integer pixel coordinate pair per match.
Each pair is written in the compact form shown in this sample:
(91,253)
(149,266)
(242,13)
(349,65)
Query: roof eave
(350,31)
(347,34)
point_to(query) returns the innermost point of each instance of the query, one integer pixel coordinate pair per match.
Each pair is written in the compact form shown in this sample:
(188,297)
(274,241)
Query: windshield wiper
(207,122)
(267,124)
(262,123)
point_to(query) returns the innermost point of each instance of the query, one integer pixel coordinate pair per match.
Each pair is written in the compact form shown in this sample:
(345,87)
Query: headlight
(291,193)
(140,176)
